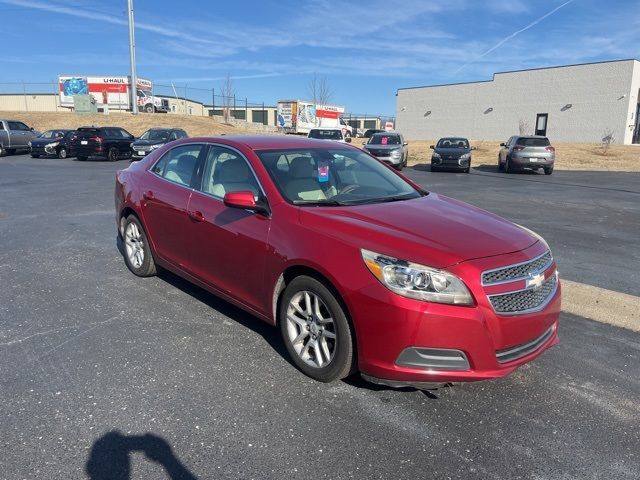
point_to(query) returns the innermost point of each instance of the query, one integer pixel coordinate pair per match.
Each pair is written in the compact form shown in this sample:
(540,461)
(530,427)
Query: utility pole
(132,57)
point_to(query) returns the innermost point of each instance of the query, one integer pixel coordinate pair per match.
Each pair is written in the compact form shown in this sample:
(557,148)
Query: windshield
(533,142)
(453,143)
(52,134)
(157,135)
(334,176)
(385,139)
(325,134)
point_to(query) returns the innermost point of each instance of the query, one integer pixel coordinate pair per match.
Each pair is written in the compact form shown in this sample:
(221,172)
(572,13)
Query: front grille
(379,153)
(524,301)
(513,353)
(517,271)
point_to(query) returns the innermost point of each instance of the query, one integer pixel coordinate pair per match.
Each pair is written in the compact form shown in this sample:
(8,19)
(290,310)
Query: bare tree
(607,140)
(319,90)
(228,93)
(524,126)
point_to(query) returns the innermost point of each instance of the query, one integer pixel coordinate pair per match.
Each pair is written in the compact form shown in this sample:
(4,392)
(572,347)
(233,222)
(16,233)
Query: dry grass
(569,156)
(135,124)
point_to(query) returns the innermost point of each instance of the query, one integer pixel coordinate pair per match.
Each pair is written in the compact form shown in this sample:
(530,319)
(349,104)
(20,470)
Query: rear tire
(321,346)
(548,170)
(149,108)
(112,155)
(62,153)
(137,253)
(507,166)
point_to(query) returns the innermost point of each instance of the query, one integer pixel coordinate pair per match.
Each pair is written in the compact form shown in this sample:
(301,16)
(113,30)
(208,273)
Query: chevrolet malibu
(360,268)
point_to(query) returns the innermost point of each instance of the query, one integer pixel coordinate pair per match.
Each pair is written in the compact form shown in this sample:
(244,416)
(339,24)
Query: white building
(573,103)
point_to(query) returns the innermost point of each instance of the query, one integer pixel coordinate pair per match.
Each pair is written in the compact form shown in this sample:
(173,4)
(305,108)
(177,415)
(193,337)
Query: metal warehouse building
(573,103)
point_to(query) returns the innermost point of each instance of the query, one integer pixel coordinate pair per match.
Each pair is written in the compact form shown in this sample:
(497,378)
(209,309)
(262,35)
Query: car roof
(266,142)
(531,136)
(451,138)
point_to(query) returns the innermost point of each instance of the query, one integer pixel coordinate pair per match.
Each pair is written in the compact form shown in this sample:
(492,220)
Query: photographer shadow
(110,459)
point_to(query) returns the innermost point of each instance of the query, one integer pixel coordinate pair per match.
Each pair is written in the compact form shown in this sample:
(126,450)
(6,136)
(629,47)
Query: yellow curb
(601,305)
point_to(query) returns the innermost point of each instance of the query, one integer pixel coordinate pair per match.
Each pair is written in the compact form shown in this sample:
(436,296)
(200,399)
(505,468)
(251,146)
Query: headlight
(53,144)
(465,156)
(153,147)
(29,144)
(417,281)
(436,155)
(395,154)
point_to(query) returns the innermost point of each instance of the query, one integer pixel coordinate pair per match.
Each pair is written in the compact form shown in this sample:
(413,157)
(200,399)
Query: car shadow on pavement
(110,458)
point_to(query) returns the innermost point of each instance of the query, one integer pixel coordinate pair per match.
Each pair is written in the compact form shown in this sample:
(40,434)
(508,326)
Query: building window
(190,110)
(239,114)
(369,124)
(173,108)
(216,112)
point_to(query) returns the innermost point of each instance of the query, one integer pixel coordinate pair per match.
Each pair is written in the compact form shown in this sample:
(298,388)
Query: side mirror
(503,145)
(405,144)
(244,200)
(348,139)
(432,147)
(364,143)
(474,148)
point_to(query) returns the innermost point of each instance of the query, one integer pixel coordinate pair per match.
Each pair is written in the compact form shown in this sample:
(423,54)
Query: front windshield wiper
(392,198)
(323,203)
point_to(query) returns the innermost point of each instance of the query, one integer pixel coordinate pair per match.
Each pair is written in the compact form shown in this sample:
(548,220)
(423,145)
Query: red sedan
(360,268)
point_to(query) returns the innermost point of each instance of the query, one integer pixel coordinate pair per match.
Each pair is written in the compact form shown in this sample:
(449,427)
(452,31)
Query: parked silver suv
(15,135)
(532,152)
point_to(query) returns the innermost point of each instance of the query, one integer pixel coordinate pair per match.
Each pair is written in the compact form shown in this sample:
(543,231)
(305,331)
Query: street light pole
(132,57)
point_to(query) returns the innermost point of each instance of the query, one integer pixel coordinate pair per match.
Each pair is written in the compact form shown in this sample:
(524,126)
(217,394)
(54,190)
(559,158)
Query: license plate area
(83,142)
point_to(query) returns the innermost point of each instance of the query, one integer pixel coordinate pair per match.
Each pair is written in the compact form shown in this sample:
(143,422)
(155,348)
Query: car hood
(147,143)
(381,147)
(452,151)
(434,230)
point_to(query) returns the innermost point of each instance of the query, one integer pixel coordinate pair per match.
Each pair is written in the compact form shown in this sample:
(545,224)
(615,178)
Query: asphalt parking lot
(106,375)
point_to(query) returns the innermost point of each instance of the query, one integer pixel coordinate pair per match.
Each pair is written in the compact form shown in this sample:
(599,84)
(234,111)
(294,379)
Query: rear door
(125,139)
(167,189)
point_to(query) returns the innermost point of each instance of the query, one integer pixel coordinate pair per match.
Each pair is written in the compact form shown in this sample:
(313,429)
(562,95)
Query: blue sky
(366,50)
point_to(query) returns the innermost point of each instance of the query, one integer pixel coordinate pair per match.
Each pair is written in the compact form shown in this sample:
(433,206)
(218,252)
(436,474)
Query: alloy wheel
(311,329)
(134,245)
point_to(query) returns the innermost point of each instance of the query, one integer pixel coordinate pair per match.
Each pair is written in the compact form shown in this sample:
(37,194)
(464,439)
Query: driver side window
(227,171)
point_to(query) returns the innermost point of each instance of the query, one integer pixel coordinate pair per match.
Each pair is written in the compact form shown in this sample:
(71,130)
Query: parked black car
(110,143)
(369,133)
(51,142)
(154,138)
(451,153)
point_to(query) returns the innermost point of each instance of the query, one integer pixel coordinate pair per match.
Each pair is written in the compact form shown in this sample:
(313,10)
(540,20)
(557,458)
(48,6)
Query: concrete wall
(31,102)
(601,96)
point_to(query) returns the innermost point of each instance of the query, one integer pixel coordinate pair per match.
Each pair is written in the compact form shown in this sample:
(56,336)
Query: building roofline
(519,71)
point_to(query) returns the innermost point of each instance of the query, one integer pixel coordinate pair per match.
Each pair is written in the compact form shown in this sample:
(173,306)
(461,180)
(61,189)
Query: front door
(228,245)
(20,134)
(167,189)
(541,124)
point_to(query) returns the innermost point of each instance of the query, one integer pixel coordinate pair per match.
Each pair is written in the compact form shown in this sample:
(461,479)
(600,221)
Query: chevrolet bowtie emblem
(535,280)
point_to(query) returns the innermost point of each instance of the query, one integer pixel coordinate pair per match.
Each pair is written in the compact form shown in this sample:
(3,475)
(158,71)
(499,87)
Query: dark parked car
(110,143)
(51,142)
(155,138)
(371,131)
(530,152)
(451,153)
(358,267)
(389,147)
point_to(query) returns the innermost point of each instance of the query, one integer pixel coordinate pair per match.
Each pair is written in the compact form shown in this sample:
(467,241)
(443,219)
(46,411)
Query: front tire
(62,153)
(507,166)
(500,165)
(315,330)
(137,253)
(149,108)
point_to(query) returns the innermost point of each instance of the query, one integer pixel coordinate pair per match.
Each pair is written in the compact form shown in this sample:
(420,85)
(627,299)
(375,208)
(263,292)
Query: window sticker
(323,172)
(384,140)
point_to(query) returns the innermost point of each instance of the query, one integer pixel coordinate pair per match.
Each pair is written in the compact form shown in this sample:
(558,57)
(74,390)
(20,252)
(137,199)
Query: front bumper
(454,343)
(451,163)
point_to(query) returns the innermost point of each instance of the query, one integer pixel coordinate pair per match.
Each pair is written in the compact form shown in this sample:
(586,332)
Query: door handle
(196,216)
(148,195)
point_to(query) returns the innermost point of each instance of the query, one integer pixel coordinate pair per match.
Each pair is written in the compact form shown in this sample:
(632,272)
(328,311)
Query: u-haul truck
(111,92)
(300,116)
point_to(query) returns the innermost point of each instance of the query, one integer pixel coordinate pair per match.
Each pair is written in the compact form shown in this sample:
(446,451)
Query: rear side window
(533,142)
(178,165)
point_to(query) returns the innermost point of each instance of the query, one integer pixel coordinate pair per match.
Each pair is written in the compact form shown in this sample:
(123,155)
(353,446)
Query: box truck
(300,116)
(111,92)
